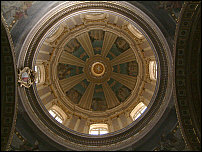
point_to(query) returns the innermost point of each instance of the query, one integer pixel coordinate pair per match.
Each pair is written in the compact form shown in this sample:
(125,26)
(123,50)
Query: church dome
(98,71)
(102,75)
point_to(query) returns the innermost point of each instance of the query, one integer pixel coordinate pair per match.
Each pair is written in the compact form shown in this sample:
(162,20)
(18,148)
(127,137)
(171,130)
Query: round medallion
(97,69)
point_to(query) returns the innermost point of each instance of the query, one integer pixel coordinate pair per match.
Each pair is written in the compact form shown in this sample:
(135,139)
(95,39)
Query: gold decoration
(90,70)
(97,69)
(26,77)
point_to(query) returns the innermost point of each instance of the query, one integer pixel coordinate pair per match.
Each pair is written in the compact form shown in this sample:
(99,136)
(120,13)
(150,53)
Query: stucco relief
(26,77)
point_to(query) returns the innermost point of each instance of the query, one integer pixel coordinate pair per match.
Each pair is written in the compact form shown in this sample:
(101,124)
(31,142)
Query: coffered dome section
(97,69)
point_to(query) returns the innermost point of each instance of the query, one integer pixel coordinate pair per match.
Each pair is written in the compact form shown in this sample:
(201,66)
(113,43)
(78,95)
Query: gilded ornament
(26,77)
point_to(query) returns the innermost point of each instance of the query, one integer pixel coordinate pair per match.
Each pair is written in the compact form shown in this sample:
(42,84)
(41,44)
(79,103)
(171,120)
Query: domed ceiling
(98,71)
(96,66)
(95,69)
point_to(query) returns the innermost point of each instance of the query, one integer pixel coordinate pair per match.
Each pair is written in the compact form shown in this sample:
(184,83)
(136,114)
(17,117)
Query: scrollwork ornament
(26,77)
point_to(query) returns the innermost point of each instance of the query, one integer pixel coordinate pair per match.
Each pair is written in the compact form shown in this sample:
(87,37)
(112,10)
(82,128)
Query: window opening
(98,129)
(56,115)
(153,70)
(37,69)
(138,111)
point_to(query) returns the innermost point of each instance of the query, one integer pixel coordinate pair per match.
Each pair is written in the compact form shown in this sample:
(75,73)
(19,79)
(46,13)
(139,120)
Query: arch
(187,74)
(138,111)
(98,129)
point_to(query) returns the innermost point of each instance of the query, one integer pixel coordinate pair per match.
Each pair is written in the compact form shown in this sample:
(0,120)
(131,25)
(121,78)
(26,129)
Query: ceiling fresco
(172,7)
(121,91)
(99,101)
(13,11)
(118,47)
(75,48)
(129,68)
(96,37)
(65,70)
(95,71)
(77,91)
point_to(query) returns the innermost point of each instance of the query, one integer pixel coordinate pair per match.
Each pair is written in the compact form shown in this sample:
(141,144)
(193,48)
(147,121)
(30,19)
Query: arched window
(138,111)
(38,72)
(56,115)
(98,129)
(135,31)
(153,70)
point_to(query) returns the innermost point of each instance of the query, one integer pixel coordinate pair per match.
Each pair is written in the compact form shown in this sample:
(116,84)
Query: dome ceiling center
(97,69)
